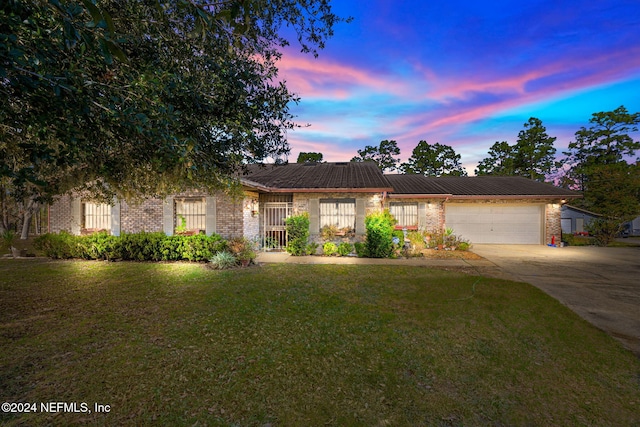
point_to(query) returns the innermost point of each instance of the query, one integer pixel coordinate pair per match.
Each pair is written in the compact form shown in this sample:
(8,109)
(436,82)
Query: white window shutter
(422,216)
(314,216)
(360,215)
(167,216)
(76,215)
(115,219)
(210,221)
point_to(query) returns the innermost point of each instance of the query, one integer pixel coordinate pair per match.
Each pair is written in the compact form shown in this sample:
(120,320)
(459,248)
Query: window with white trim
(190,214)
(340,213)
(406,214)
(96,216)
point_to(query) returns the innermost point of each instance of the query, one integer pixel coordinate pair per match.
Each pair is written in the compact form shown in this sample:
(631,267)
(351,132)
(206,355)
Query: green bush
(298,232)
(130,247)
(329,249)
(463,246)
(361,249)
(345,248)
(61,245)
(379,227)
(311,248)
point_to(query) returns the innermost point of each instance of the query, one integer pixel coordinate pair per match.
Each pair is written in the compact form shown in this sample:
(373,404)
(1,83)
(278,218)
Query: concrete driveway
(602,285)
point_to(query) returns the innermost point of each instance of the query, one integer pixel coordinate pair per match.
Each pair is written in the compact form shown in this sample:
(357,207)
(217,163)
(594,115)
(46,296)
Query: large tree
(382,155)
(598,167)
(137,98)
(534,152)
(533,155)
(434,160)
(501,160)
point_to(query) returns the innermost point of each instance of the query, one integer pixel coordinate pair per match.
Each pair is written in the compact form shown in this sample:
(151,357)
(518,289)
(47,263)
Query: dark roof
(358,176)
(415,184)
(505,186)
(366,177)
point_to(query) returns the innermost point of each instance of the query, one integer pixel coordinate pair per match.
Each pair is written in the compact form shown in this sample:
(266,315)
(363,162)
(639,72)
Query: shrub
(223,260)
(298,232)
(311,248)
(345,248)
(329,249)
(464,246)
(7,237)
(328,232)
(130,247)
(379,227)
(361,249)
(99,245)
(62,245)
(574,240)
(604,230)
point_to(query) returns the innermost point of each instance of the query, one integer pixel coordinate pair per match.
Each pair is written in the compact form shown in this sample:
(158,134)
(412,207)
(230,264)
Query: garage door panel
(519,224)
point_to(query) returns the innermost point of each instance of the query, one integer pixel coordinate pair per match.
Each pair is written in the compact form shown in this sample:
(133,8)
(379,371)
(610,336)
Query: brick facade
(233,217)
(143,216)
(236,217)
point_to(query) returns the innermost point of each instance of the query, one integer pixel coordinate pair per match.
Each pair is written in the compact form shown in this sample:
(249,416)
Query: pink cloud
(312,77)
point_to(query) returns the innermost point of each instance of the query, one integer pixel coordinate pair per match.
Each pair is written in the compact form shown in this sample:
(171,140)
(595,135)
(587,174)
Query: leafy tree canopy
(501,160)
(383,155)
(533,155)
(310,158)
(607,141)
(534,152)
(145,97)
(434,160)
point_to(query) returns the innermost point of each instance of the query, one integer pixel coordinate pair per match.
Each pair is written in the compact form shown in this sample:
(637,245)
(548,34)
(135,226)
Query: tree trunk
(26,218)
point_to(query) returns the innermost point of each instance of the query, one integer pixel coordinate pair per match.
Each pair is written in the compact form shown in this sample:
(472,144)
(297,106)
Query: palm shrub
(379,227)
(223,260)
(298,233)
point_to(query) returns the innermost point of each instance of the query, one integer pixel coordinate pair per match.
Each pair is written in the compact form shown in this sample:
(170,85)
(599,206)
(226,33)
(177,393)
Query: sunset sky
(462,73)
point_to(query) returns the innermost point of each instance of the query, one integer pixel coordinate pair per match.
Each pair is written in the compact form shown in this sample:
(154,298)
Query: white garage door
(516,224)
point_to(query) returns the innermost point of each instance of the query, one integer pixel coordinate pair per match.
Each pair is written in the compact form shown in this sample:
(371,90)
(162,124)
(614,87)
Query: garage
(496,223)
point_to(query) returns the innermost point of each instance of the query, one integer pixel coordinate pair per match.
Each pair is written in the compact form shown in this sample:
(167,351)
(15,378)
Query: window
(96,216)
(405,213)
(338,212)
(191,215)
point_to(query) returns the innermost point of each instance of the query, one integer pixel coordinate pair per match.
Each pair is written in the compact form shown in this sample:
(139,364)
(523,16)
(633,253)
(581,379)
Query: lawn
(289,345)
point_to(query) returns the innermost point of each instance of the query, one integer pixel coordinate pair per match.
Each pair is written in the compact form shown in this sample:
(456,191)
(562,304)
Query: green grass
(179,344)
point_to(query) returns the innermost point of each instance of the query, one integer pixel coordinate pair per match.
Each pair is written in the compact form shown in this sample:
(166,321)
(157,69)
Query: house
(480,209)
(574,220)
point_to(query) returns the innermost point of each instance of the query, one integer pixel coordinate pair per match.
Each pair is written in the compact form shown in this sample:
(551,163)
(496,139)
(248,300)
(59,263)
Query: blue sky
(462,73)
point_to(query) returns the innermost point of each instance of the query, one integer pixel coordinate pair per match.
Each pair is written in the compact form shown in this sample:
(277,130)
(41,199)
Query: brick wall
(229,216)
(553,222)
(60,215)
(143,216)
(250,221)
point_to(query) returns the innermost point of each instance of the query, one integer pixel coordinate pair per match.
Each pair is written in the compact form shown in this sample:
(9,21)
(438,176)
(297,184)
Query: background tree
(144,98)
(501,160)
(534,152)
(434,160)
(383,155)
(310,158)
(533,155)
(597,167)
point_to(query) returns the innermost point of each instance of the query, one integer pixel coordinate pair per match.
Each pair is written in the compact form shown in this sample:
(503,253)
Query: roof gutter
(513,196)
(418,196)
